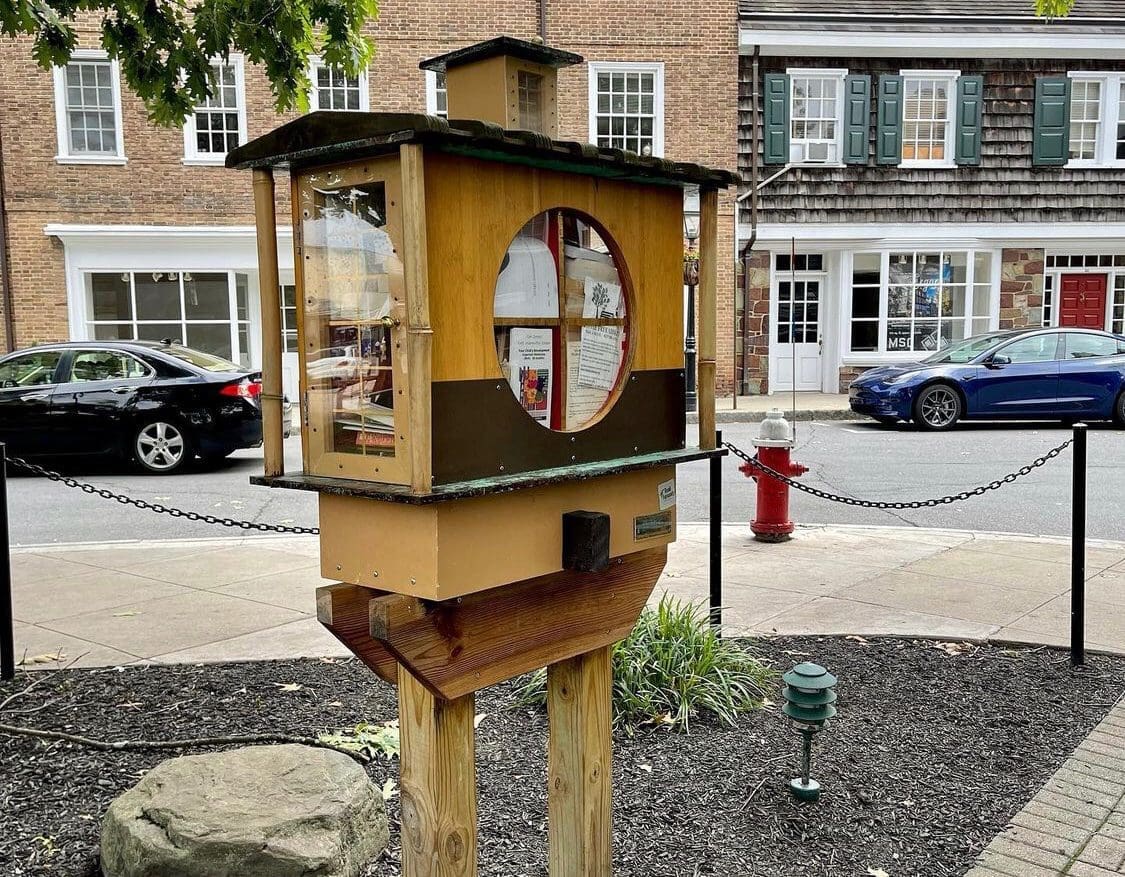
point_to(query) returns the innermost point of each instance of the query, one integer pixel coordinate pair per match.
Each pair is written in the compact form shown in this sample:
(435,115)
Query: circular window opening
(561,320)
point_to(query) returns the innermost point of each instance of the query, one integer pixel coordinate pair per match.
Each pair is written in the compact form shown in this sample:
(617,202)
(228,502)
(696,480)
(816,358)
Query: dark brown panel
(480,430)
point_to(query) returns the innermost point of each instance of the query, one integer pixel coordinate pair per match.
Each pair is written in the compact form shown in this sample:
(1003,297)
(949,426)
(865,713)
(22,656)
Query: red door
(1082,302)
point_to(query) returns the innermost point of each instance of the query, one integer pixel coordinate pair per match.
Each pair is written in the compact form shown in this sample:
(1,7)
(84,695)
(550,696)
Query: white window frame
(62,126)
(315,63)
(192,156)
(656,68)
(1105,150)
(951,77)
(882,355)
(432,95)
(826,73)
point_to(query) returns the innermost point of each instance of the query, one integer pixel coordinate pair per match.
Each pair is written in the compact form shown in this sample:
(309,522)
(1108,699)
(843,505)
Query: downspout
(753,209)
(543,21)
(5,271)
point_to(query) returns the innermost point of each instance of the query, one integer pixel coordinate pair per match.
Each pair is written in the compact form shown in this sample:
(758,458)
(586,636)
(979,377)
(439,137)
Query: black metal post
(1078,550)
(691,401)
(7,632)
(715,599)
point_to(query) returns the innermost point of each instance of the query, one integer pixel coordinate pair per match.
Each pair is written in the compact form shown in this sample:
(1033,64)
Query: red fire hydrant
(774,442)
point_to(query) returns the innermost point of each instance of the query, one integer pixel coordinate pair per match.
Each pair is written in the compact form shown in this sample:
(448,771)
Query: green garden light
(808,702)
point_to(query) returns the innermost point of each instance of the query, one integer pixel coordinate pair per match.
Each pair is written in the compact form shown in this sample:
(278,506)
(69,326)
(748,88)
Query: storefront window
(205,310)
(918,302)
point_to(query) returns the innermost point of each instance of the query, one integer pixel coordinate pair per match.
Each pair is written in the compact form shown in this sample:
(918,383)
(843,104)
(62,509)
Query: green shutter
(970,114)
(857,118)
(775,146)
(1051,142)
(888,123)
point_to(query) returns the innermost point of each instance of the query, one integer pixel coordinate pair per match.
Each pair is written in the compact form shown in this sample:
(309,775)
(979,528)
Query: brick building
(115,228)
(941,169)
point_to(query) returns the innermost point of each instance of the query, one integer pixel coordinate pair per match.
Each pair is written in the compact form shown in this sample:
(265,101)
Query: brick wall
(1021,288)
(697,44)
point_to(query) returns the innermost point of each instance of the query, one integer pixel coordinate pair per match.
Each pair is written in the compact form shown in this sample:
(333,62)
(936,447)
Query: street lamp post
(691,279)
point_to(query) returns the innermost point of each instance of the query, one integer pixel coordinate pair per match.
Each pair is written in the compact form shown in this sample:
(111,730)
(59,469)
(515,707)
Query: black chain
(157,507)
(918,504)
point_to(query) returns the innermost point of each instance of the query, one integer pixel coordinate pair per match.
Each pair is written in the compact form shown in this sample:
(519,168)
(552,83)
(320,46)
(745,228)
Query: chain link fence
(916,504)
(156,507)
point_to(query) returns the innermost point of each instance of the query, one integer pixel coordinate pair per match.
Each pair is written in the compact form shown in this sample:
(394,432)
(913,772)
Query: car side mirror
(998,361)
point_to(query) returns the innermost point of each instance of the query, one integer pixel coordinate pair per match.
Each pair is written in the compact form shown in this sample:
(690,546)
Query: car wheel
(161,447)
(938,406)
(1119,409)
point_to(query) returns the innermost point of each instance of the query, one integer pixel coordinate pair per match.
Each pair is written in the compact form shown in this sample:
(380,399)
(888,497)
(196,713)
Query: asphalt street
(853,459)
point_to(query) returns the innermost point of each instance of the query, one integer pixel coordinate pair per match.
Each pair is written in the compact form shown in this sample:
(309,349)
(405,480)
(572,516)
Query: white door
(290,374)
(796,335)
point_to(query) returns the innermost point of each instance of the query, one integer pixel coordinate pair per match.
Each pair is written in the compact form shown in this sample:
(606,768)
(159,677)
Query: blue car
(1022,374)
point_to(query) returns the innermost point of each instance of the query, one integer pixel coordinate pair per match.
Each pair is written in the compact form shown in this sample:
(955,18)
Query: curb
(801,414)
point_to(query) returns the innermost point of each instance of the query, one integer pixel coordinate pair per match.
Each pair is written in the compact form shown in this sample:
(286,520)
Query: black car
(158,403)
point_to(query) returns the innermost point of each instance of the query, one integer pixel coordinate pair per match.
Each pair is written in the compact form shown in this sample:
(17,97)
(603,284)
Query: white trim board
(1047,42)
(1074,234)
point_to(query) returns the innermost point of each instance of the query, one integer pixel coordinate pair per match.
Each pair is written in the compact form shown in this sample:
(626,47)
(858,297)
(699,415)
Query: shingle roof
(1084,10)
(331,136)
(504,45)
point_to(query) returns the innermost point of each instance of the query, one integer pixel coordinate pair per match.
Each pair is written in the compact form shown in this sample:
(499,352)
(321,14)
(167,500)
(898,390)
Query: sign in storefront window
(205,310)
(918,301)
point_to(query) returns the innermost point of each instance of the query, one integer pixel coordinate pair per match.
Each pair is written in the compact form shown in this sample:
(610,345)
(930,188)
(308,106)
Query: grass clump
(673,667)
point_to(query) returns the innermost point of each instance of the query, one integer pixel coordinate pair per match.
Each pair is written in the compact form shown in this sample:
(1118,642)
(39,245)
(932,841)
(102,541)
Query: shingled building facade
(119,229)
(938,170)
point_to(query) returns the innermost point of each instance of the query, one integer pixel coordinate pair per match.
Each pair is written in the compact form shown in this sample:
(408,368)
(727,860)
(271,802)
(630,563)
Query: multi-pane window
(798,311)
(626,107)
(88,110)
(914,302)
(332,89)
(1085,118)
(530,88)
(289,318)
(217,125)
(1118,322)
(1097,118)
(926,118)
(814,114)
(437,100)
(205,310)
(1048,299)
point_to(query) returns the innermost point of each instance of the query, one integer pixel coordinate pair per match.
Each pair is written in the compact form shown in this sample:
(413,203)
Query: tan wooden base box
(447,549)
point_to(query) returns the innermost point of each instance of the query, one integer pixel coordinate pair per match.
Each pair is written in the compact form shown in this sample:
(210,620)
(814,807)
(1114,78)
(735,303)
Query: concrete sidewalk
(805,406)
(252,598)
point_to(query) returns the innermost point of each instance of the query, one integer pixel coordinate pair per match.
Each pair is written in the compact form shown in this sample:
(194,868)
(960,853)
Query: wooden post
(708,291)
(438,777)
(269,291)
(580,766)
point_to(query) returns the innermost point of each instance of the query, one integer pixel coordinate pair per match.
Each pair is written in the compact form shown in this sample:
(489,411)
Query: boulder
(261,811)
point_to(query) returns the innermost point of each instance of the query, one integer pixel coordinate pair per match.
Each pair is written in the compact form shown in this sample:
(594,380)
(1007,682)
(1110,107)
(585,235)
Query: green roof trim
(330,137)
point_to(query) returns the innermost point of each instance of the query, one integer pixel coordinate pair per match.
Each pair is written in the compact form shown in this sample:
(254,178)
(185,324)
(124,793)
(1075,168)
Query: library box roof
(336,136)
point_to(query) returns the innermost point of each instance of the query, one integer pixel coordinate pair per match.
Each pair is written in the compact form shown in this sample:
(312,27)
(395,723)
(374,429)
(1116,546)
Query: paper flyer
(600,358)
(603,300)
(528,285)
(582,403)
(530,360)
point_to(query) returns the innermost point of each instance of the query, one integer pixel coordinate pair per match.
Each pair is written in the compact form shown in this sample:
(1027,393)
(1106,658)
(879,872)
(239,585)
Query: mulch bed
(931,755)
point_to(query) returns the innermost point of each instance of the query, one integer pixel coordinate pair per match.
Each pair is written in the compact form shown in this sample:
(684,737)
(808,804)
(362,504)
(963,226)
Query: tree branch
(195,743)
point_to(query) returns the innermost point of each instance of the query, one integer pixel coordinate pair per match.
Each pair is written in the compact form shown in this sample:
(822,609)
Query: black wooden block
(585,541)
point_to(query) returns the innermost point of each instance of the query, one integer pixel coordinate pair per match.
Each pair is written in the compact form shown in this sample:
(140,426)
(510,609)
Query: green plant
(673,667)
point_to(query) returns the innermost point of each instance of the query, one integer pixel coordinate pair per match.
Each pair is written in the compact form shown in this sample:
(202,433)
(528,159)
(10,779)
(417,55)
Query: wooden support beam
(580,765)
(708,292)
(343,609)
(458,646)
(269,292)
(438,782)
